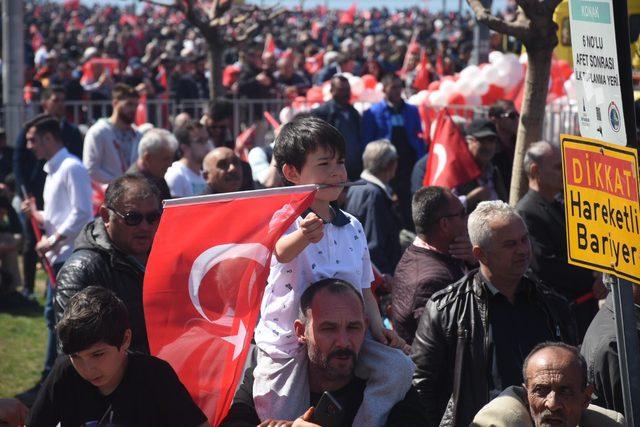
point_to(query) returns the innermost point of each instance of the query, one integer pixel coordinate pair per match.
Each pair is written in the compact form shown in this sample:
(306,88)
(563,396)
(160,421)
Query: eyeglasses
(462,214)
(509,115)
(133,218)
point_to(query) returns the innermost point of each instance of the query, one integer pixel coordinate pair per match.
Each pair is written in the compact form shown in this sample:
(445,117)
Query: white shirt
(67,202)
(183,182)
(108,151)
(341,253)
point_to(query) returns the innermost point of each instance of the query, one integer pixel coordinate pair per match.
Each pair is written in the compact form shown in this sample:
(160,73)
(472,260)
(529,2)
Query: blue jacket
(376,124)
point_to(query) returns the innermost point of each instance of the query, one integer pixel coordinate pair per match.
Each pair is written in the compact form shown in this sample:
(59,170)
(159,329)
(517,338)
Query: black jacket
(374,209)
(96,261)
(547,231)
(600,350)
(451,346)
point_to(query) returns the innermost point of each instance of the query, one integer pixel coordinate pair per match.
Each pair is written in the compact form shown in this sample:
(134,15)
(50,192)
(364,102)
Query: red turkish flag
(450,163)
(348,16)
(142,114)
(269,45)
(423,77)
(204,282)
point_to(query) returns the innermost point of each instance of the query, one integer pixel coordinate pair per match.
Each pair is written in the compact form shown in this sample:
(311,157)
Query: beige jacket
(509,410)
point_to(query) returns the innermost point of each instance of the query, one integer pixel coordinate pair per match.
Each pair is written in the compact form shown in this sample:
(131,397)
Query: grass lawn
(23,336)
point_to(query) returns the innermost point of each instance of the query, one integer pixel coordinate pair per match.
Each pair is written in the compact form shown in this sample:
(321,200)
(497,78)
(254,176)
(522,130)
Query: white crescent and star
(209,259)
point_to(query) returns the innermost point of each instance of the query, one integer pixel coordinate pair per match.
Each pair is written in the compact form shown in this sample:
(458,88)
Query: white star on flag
(237,340)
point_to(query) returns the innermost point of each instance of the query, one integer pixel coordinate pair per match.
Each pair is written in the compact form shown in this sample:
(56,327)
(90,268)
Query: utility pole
(12,67)
(480,53)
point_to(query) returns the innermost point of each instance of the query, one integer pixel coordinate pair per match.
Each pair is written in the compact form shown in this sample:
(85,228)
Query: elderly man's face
(157,163)
(482,149)
(550,170)
(555,388)
(222,170)
(508,253)
(334,333)
(132,239)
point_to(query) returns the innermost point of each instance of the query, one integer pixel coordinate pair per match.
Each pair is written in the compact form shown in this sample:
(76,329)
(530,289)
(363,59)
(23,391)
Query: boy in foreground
(99,382)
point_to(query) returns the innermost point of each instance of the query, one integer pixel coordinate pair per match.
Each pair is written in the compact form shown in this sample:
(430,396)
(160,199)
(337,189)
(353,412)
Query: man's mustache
(547,413)
(342,352)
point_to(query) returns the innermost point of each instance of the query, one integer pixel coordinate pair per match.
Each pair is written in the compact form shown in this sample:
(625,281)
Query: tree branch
(157,3)
(520,28)
(190,12)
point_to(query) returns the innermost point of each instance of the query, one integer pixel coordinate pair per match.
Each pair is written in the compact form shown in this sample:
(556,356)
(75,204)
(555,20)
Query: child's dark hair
(305,134)
(93,315)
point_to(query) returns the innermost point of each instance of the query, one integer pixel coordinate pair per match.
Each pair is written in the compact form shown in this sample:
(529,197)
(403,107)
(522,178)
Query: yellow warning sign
(601,206)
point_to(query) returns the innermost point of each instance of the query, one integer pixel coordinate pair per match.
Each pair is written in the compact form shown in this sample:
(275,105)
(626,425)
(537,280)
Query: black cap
(481,128)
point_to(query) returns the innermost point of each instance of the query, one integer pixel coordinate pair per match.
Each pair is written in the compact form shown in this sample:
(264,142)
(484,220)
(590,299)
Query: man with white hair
(156,152)
(474,335)
(372,204)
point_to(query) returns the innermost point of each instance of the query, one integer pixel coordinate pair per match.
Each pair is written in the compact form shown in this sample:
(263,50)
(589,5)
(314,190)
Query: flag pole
(294,189)
(38,234)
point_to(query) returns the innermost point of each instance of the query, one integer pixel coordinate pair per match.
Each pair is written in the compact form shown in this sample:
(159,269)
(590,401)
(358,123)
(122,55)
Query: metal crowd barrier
(559,117)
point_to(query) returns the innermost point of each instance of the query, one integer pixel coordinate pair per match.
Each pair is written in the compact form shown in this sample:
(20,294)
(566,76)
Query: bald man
(222,171)
(555,392)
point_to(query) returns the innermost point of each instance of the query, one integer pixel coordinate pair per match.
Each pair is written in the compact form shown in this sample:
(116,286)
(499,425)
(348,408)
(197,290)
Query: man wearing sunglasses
(437,257)
(112,250)
(505,117)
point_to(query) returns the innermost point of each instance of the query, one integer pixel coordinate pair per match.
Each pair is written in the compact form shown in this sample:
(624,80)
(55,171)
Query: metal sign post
(605,101)
(627,338)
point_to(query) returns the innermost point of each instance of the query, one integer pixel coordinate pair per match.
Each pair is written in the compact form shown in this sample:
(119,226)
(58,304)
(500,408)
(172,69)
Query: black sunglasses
(509,115)
(135,218)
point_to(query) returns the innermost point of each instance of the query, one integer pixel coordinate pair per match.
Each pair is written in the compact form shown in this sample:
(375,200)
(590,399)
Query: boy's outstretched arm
(378,331)
(311,231)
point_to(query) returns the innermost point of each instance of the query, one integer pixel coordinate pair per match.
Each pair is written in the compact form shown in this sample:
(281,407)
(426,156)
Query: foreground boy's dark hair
(305,134)
(93,315)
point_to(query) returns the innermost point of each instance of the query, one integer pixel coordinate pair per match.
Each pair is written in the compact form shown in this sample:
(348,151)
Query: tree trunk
(531,117)
(215,69)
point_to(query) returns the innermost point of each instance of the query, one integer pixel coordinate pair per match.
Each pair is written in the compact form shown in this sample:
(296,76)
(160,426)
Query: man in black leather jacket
(474,335)
(112,250)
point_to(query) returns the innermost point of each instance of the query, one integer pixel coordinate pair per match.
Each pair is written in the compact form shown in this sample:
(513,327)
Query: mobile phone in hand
(328,412)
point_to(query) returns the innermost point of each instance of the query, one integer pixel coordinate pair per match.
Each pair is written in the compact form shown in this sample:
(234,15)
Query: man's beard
(127,118)
(324,362)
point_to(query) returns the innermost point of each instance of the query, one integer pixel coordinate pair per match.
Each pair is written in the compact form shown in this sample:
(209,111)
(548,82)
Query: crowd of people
(88,49)
(478,318)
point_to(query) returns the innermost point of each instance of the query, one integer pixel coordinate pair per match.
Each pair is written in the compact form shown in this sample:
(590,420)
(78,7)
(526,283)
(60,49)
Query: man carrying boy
(326,243)
(332,325)
(100,381)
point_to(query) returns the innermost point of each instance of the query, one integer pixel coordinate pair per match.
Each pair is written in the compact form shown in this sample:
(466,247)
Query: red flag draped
(450,163)
(204,282)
